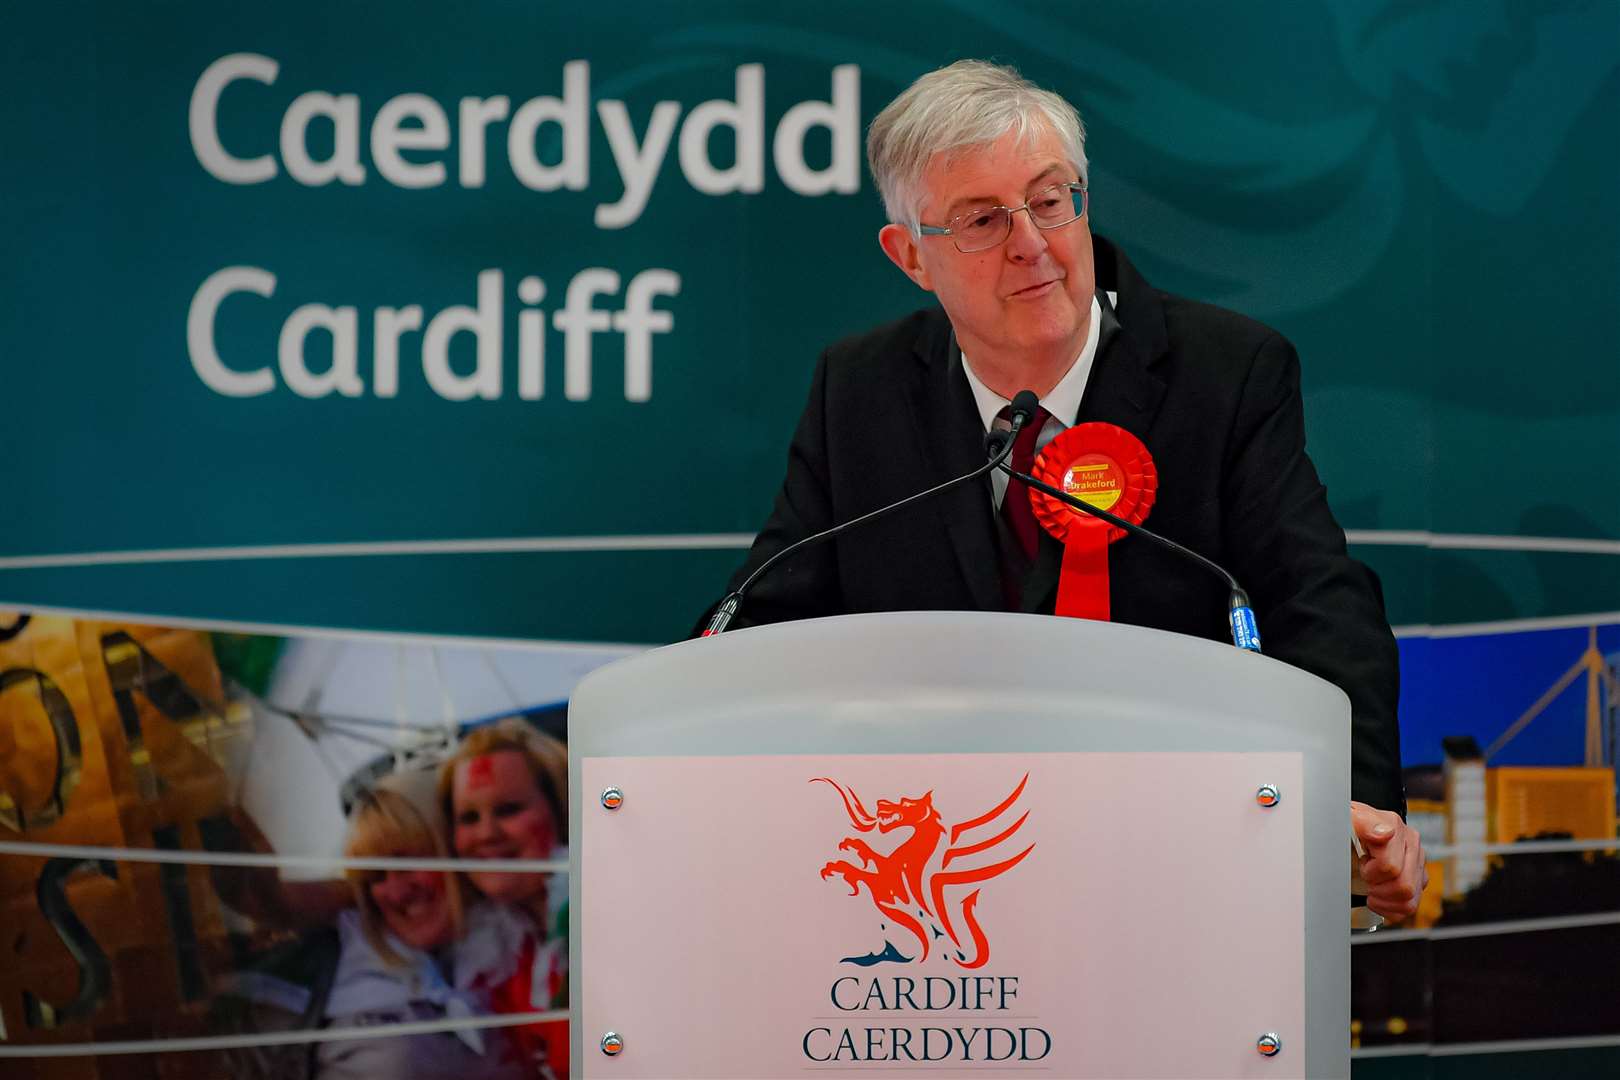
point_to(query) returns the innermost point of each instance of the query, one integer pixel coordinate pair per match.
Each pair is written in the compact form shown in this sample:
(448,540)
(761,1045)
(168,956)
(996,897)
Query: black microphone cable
(1245,632)
(1022,411)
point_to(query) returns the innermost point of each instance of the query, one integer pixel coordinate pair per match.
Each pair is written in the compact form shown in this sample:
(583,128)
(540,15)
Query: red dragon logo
(904,881)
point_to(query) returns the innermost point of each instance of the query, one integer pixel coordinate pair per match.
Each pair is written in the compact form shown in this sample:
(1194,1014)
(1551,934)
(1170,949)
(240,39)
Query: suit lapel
(1123,389)
(949,432)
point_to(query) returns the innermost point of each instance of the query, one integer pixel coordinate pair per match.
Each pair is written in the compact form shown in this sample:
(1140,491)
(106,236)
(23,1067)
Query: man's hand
(1394,865)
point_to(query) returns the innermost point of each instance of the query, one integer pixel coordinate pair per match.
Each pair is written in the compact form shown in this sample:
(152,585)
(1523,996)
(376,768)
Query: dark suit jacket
(1213,395)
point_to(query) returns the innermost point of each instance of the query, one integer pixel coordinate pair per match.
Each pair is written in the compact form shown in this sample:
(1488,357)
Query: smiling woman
(397,963)
(420,908)
(504,793)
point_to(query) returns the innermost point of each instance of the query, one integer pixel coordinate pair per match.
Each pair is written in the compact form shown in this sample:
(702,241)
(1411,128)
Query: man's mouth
(1034,291)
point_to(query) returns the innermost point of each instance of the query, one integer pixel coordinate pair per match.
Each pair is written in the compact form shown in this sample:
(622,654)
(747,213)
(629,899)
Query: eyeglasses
(984,227)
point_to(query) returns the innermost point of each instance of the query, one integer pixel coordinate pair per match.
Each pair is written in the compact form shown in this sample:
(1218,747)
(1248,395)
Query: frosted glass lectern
(954,843)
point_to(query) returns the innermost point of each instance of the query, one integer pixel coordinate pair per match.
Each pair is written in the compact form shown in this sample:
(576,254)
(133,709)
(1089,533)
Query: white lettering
(638,167)
(577,321)
(843,119)
(204,119)
(387,326)
(344,164)
(303,371)
(410,136)
(388,138)
(531,341)
(344,374)
(476,115)
(746,117)
(638,322)
(200,331)
(484,323)
(572,113)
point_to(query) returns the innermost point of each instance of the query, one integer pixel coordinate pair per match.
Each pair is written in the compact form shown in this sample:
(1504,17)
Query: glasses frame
(1075,187)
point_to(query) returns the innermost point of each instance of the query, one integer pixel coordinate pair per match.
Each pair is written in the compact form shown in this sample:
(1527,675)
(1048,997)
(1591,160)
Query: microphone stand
(1023,407)
(1245,632)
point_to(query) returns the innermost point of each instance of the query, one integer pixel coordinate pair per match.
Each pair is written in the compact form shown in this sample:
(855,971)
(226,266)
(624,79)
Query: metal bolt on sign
(612,798)
(612,1044)
(1268,796)
(1269,1044)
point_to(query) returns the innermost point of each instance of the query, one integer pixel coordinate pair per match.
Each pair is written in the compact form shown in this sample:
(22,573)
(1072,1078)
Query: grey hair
(968,104)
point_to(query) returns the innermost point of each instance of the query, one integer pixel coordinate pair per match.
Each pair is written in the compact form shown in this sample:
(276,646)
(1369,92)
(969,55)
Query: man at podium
(983,176)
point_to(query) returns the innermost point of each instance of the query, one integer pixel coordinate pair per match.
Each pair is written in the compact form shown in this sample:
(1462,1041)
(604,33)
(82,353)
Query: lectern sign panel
(1057,914)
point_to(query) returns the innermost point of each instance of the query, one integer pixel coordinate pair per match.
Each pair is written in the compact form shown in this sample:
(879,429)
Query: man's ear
(901,247)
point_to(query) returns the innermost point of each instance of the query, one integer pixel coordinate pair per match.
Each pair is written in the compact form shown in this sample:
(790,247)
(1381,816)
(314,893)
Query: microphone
(1022,410)
(1240,613)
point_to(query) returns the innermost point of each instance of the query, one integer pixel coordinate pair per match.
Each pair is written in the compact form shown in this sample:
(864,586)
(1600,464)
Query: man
(983,177)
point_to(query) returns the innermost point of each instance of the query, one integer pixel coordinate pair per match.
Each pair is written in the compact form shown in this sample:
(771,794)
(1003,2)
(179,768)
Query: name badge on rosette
(1108,467)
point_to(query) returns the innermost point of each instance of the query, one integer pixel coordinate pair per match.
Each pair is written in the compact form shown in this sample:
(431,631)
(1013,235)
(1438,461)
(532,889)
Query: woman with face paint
(399,954)
(504,795)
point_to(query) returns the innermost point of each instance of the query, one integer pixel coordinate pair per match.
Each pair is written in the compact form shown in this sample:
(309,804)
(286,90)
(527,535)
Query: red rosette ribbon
(1109,468)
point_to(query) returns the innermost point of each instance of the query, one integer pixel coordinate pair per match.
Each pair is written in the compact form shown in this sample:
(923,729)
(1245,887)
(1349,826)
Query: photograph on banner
(228,776)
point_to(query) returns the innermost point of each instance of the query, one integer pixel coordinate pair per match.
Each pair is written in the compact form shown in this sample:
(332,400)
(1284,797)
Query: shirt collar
(1063,400)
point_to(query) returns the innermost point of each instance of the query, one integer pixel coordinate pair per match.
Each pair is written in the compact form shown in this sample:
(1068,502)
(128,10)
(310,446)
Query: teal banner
(543,275)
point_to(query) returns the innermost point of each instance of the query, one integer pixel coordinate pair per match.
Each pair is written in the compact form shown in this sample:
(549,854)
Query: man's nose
(1025,243)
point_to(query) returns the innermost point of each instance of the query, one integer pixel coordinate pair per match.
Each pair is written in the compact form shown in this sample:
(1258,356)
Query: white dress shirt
(1062,401)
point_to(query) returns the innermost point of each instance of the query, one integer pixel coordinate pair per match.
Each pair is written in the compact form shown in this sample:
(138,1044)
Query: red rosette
(1108,467)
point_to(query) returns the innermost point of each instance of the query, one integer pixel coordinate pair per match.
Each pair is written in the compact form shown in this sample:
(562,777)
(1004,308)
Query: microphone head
(1023,406)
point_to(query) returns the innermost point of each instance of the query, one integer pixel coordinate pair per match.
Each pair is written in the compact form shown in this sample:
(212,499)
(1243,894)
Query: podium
(958,843)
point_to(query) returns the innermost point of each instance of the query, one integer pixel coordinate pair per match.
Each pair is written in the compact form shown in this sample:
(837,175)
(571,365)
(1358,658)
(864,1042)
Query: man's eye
(977,220)
(467,817)
(507,809)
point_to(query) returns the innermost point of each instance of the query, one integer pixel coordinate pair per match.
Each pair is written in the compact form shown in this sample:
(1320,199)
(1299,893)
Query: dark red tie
(1016,512)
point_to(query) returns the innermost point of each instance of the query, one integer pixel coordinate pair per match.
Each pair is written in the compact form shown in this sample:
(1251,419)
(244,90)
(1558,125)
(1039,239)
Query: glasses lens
(1057,205)
(980,229)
